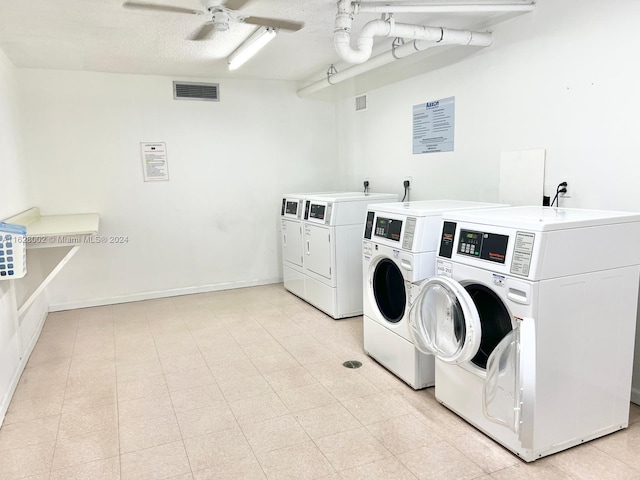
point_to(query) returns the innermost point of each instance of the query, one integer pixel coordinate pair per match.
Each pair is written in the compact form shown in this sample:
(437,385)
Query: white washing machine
(531,318)
(292,241)
(399,246)
(332,250)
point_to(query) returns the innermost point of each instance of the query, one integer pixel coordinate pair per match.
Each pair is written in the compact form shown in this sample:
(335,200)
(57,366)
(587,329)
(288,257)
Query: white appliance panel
(292,241)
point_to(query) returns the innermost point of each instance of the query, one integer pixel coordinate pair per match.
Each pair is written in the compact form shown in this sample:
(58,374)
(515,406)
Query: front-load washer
(332,250)
(531,318)
(399,247)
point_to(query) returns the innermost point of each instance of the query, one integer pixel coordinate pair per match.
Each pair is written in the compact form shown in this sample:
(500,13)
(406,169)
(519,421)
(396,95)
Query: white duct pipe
(384,28)
(365,7)
(473,39)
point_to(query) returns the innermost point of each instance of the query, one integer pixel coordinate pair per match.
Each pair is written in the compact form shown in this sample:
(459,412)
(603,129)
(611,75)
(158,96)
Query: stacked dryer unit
(399,248)
(531,318)
(292,240)
(332,250)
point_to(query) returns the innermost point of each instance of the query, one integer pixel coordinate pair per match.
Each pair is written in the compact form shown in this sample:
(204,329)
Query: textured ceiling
(101,35)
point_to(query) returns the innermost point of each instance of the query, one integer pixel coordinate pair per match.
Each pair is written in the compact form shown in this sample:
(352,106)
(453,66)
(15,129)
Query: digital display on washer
(388,228)
(291,208)
(487,246)
(317,211)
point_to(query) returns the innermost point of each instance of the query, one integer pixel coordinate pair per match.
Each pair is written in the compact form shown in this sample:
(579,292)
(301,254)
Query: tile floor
(246,384)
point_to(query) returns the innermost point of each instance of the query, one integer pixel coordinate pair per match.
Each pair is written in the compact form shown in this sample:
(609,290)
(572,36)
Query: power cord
(366,186)
(561,188)
(406,189)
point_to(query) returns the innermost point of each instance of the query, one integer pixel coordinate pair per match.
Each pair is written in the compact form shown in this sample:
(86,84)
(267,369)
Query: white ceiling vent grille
(361,103)
(196,91)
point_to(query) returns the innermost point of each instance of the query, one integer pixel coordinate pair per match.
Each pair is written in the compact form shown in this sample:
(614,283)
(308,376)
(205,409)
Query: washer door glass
(443,321)
(389,291)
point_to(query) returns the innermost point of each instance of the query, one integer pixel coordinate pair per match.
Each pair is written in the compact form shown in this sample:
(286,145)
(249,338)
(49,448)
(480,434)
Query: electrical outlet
(366,183)
(408,179)
(569,187)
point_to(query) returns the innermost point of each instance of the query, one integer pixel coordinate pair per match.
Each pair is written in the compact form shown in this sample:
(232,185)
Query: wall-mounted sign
(155,165)
(433,126)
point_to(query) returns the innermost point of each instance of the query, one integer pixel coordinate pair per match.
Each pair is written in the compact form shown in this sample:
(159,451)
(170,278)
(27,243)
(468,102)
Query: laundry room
(159,341)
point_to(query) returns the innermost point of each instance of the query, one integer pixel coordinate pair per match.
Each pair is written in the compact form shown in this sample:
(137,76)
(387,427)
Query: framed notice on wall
(155,165)
(433,126)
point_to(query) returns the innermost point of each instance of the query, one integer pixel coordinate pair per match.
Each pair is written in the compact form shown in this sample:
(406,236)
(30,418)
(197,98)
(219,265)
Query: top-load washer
(531,318)
(399,247)
(292,240)
(332,250)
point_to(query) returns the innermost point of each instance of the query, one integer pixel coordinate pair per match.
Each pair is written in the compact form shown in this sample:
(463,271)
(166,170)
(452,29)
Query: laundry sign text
(433,126)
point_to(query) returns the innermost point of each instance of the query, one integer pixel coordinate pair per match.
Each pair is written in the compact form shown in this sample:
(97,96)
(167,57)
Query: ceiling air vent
(361,103)
(196,91)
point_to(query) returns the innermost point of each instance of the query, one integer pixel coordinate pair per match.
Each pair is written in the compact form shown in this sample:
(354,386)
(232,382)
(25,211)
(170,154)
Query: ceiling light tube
(251,46)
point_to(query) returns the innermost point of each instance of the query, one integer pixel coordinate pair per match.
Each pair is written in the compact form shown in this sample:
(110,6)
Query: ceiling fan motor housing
(220,21)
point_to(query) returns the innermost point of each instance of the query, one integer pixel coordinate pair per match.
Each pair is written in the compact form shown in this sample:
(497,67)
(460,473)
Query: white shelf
(56,230)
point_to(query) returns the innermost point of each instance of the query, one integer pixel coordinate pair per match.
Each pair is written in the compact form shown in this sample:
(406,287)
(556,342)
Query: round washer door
(389,292)
(443,320)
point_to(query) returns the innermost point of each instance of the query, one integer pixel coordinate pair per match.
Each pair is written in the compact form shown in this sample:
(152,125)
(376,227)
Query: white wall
(14,198)
(563,78)
(215,223)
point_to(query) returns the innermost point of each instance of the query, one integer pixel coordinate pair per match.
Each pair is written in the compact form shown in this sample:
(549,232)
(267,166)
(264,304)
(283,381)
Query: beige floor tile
(539,470)
(440,461)
(304,398)
(354,387)
(142,387)
(46,374)
(260,349)
(100,417)
(174,347)
(634,413)
(127,372)
(85,448)
(440,420)
(215,354)
(189,379)
(245,337)
(207,451)
(256,409)
(26,461)
(181,363)
(91,378)
(157,463)
(197,397)
(235,370)
(352,448)
(140,409)
(487,454)
(107,469)
(588,462)
(379,407)
(32,432)
(306,354)
(82,399)
(244,388)
(206,420)
(327,420)
(623,445)
(282,327)
(36,390)
(246,469)
(136,355)
(149,433)
(401,434)
(275,433)
(29,408)
(384,469)
(309,463)
(289,378)
(276,362)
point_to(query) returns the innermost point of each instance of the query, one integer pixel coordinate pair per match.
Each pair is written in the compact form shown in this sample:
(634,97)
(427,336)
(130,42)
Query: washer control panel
(486,246)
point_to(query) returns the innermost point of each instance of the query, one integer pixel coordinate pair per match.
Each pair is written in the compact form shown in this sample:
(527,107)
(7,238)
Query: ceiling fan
(222,16)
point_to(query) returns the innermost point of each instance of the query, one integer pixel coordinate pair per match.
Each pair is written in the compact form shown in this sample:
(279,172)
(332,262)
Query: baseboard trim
(176,292)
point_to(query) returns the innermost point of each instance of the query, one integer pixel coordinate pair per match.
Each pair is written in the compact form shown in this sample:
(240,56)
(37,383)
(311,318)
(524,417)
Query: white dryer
(332,250)
(531,318)
(399,247)
(292,241)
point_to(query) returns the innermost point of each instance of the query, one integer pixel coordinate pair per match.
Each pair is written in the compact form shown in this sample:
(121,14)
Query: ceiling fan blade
(275,23)
(205,32)
(159,8)
(235,4)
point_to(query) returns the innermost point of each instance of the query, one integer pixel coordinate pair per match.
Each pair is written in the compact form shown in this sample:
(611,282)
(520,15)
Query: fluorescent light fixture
(251,46)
